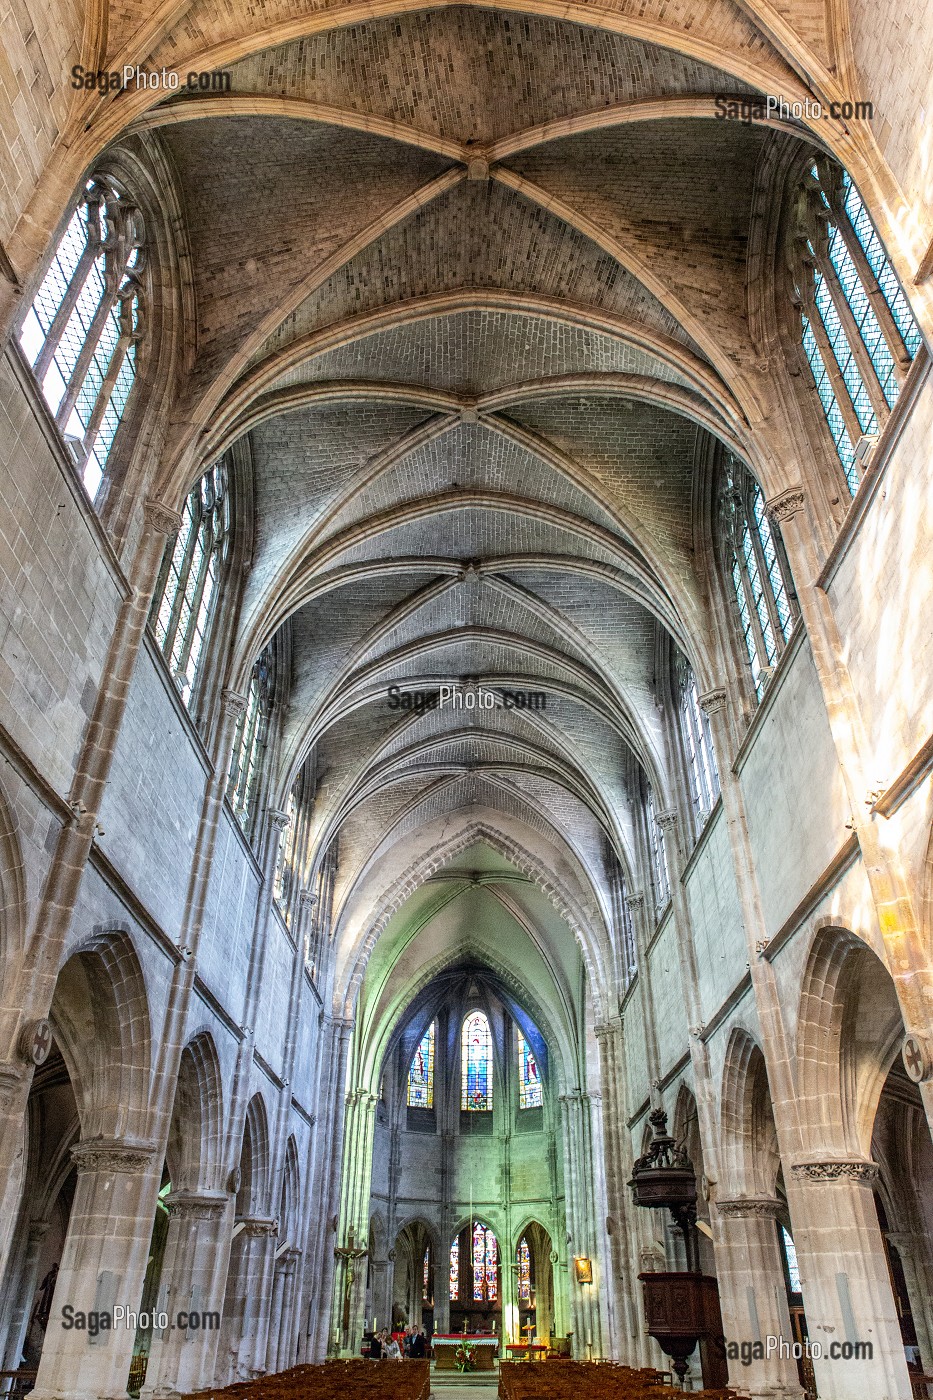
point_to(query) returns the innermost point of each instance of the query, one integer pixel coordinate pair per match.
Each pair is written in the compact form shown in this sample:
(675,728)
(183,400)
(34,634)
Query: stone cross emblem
(916,1061)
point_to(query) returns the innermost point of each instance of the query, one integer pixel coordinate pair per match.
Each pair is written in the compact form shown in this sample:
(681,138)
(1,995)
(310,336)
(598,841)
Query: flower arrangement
(464,1357)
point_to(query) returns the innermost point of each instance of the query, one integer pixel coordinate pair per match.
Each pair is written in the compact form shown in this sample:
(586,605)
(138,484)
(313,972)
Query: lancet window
(530,1094)
(250,740)
(858,332)
(421,1072)
(524,1271)
(697,741)
(188,585)
(476,1064)
(758,570)
(83,332)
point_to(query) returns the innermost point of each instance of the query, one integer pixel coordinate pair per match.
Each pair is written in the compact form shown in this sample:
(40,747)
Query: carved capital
(788,504)
(38,1231)
(666,820)
(307,899)
(232,703)
(843,1169)
(635,902)
(111,1155)
(760,1206)
(14,1082)
(279,819)
(183,1206)
(259,1228)
(713,702)
(161,518)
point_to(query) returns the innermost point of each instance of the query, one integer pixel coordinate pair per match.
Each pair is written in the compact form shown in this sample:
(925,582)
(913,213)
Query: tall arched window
(421,1073)
(697,741)
(758,570)
(530,1094)
(285,856)
(191,571)
(524,1271)
(426,1276)
(659,875)
(792,1270)
(250,740)
(485,1264)
(83,331)
(476,1064)
(858,332)
(455,1270)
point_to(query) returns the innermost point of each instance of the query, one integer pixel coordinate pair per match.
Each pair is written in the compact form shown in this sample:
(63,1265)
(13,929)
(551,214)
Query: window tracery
(485,1264)
(758,571)
(858,333)
(455,1270)
(421,1073)
(476,1064)
(530,1093)
(659,875)
(83,332)
(191,573)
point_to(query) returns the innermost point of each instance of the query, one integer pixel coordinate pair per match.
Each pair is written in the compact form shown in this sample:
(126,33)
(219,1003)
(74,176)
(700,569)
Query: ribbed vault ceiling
(472,294)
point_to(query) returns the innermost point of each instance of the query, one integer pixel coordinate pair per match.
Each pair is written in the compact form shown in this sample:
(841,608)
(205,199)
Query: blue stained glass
(421,1073)
(530,1093)
(476,1064)
(485,1264)
(877,258)
(524,1271)
(455,1270)
(835,421)
(790,1254)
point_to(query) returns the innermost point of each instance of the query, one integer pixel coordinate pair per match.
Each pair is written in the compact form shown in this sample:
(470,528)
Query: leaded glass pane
(485,1264)
(421,1073)
(455,1270)
(524,1271)
(835,421)
(790,1255)
(530,1093)
(476,1064)
(877,258)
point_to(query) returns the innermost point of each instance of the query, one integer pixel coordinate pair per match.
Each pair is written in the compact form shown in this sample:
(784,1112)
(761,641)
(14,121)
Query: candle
(374,1324)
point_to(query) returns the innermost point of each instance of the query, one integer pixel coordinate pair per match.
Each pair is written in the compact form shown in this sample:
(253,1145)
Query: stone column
(584,1309)
(353,1230)
(753,1293)
(321,1259)
(915,1261)
(844,1277)
(194,1274)
(619,1163)
(33,986)
(282,1329)
(103,1267)
(249,1297)
(19,1299)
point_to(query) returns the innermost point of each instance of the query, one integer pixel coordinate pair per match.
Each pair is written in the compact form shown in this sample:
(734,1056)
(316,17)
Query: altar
(484,1345)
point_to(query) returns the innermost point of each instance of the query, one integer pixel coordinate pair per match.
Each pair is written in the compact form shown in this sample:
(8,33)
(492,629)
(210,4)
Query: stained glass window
(857,330)
(82,333)
(485,1264)
(285,857)
(476,1063)
(421,1073)
(426,1276)
(524,1271)
(529,1080)
(187,587)
(455,1270)
(790,1257)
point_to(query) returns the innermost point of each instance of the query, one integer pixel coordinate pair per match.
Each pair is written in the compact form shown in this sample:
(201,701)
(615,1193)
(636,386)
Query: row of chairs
(335,1380)
(590,1380)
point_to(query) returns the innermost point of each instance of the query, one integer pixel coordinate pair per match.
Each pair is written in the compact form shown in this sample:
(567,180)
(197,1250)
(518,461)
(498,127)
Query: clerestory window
(476,1064)
(758,571)
(530,1093)
(421,1073)
(659,876)
(188,585)
(858,333)
(697,741)
(83,332)
(250,741)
